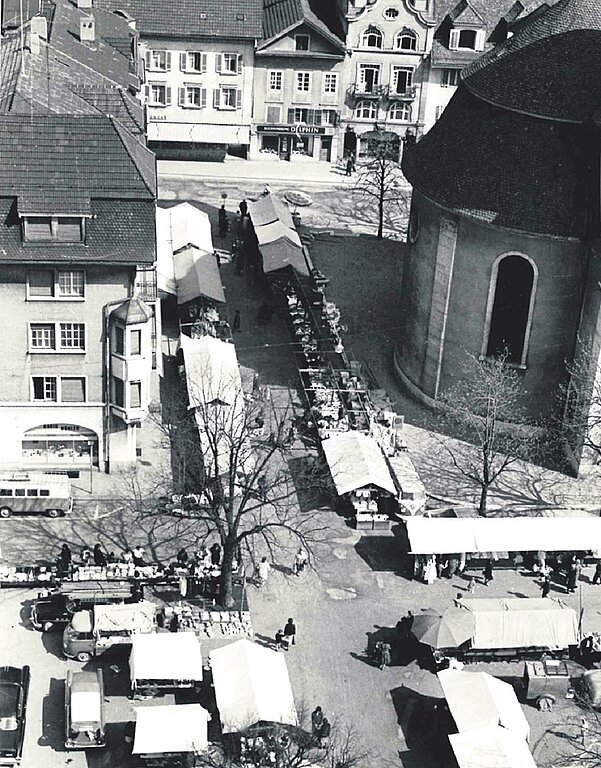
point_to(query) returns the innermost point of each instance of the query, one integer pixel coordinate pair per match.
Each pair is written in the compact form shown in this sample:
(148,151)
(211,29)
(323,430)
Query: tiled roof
(227,19)
(532,176)
(551,67)
(280,15)
(120,231)
(72,202)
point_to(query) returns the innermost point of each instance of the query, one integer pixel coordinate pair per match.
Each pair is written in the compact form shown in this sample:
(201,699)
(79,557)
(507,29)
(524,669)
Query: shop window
(372,37)
(270,144)
(406,40)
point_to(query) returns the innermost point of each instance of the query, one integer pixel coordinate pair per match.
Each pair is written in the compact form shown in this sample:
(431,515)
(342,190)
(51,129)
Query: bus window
(6,492)
(19,491)
(32,491)
(44,492)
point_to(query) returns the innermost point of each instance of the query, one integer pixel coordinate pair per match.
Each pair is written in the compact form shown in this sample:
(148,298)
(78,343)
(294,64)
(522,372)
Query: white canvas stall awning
(170,728)
(477,699)
(165,656)
(136,617)
(197,274)
(212,371)
(446,535)
(251,686)
(356,461)
(268,209)
(491,747)
(275,230)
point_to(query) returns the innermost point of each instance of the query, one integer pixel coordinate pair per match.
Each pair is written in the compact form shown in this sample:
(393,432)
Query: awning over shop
(212,372)
(491,747)
(171,728)
(356,461)
(197,274)
(476,700)
(431,535)
(165,656)
(283,253)
(251,686)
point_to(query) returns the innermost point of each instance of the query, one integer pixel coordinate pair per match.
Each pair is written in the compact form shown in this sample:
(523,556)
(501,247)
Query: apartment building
(198,81)
(298,83)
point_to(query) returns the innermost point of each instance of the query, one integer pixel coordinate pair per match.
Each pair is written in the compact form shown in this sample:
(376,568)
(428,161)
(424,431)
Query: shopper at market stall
(128,556)
(385,655)
(216,554)
(182,557)
(546,586)
(99,556)
(487,572)
(290,631)
(65,557)
(138,556)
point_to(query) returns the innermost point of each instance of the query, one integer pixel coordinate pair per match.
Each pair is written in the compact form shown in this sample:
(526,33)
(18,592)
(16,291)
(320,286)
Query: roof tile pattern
(280,15)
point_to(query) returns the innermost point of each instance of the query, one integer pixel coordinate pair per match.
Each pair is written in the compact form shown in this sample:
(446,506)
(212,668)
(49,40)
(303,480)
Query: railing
(366,90)
(408,93)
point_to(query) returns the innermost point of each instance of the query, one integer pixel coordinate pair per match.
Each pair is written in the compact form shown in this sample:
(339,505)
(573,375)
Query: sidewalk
(272,171)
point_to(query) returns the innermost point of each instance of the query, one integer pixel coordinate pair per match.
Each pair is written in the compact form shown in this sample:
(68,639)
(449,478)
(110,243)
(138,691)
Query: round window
(413,229)
(391,13)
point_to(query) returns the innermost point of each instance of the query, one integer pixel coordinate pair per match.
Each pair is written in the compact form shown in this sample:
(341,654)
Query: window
(227,97)
(73,336)
(32,491)
(193,62)
(372,38)
(400,112)
(228,63)
(6,491)
(192,97)
(275,80)
(41,283)
(135,394)
(56,284)
(19,491)
(59,229)
(330,82)
(274,113)
(118,392)
(73,389)
(301,42)
(70,283)
(466,39)
(158,61)
(450,78)
(391,13)
(119,340)
(369,77)
(158,95)
(509,312)
(406,40)
(299,115)
(329,117)
(402,79)
(366,110)
(303,81)
(43,336)
(135,342)
(438,112)
(44,388)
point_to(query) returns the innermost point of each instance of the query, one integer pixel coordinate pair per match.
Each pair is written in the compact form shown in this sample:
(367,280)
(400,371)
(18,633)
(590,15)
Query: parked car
(14,689)
(84,710)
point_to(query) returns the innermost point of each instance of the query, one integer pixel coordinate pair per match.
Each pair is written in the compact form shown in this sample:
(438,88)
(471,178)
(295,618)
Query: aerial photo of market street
(300,392)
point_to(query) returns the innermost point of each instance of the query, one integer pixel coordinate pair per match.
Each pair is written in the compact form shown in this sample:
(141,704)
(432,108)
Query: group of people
(98,557)
(321,727)
(286,637)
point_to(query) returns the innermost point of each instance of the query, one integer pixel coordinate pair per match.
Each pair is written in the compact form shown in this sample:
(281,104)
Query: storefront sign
(302,130)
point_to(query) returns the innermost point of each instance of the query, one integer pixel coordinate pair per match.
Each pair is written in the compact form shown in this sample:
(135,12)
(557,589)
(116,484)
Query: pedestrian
(405,624)
(597,574)
(487,572)
(138,556)
(324,733)
(300,561)
(236,321)
(353,160)
(216,554)
(243,207)
(223,222)
(65,557)
(263,570)
(471,585)
(290,631)
(182,557)
(99,556)
(572,576)
(349,165)
(545,586)
(385,652)
(317,719)
(279,637)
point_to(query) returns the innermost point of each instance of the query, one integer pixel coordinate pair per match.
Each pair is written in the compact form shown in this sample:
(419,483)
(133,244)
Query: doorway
(325,152)
(284,150)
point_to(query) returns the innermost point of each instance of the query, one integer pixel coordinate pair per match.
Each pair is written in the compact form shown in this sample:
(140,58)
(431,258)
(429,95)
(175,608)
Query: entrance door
(284,148)
(326,149)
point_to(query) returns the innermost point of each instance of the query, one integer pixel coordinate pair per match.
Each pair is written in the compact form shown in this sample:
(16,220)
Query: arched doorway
(513,285)
(59,445)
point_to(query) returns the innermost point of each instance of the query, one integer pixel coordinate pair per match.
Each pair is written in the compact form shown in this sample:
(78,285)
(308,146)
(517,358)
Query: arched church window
(510,306)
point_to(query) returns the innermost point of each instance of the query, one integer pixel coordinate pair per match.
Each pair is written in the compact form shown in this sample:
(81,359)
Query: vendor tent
(490,747)
(251,686)
(268,233)
(268,209)
(444,535)
(283,253)
(197,274)
(165,656)
(135,617)
(212,372)
(356,461)
(476,700)
(443,630)
(166,729)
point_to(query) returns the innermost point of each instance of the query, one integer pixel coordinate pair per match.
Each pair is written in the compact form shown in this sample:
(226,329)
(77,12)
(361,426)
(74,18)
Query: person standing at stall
(223,222)
(99,556)
(545,586)
(597,574)
(65,559)
(216,554)
(487,572)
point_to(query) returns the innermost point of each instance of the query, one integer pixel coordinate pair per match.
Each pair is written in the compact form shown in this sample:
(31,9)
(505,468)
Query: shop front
(60,446)
(296,142)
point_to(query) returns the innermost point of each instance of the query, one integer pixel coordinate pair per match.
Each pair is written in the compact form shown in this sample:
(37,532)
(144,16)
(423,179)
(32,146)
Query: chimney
(38,30)
(87,29)
(84,3)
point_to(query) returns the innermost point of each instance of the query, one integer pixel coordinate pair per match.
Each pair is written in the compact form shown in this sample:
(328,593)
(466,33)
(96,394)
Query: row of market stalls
(359,433)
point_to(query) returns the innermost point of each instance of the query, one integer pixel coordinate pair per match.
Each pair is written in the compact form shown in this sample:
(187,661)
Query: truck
(100,628)
(54,609)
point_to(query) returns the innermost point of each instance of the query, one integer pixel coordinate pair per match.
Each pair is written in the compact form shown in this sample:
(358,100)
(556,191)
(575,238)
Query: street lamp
(91,455)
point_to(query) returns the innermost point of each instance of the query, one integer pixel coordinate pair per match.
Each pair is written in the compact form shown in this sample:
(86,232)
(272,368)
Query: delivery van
(94,631)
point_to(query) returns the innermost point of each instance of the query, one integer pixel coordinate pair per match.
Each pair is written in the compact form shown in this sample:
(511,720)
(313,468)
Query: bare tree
(379,175)
(477,410)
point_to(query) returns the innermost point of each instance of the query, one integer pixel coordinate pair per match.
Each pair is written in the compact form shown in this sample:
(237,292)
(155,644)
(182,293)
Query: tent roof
(282,253)
(251,685)
(212,372)
(439,535)
(274,231)
(170,728)
(197,274)
(268,209)
(355,461)
(165,656)
(490,747)
(477,699)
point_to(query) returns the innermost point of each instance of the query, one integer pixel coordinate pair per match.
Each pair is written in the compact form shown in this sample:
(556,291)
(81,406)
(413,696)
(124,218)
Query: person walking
(243,207)
(573,574)
(385,655)
(279,637)
(349,166)
(597,574)
(545,586)
(487,572)
(216,554)
(317,719)
(223,222)
(66,557)
(471,585)
(264,570)
(236,321)
(99,556)
(290,631)
(300,561)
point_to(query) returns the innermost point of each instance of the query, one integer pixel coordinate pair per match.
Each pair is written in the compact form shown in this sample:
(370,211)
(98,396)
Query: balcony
(408,94)
(368,91)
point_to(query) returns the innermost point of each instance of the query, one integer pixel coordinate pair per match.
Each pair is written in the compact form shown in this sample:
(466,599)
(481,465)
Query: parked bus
(35,493)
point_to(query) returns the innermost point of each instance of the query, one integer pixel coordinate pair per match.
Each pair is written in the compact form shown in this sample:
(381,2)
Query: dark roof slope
(532,175)
(280,15)
(551,67)
(233,19)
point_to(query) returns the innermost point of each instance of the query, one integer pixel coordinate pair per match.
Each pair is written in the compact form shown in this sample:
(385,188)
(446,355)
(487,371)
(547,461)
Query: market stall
(212,372)
(412,494)
(251,686)
(490,747)
(165,661)
(170,732)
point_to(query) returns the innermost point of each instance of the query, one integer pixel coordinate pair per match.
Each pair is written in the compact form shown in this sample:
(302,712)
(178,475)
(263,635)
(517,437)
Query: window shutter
(147,92)
(480,40)
(72,389)
(216,98)
(238,98)
(203,97)
(240,63)
(203,62)
(454,39)
(181,97)
(291,115)
(182,61)
(167,97)
(217,62)
(167,61)
(311,116)
(148,60)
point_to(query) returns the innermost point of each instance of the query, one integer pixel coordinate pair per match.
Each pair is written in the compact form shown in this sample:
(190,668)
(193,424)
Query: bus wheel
(5,512)
(83,656)
(54,512)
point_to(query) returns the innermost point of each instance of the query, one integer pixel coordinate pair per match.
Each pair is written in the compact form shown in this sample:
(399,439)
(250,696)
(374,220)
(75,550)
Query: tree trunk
(226,581)
(483,500)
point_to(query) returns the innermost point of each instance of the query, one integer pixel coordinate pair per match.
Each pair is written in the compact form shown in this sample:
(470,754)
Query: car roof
(84,681)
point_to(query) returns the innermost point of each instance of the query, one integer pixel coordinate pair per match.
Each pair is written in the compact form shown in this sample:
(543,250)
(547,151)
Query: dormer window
(53,229)
(406,40)
(372,38)
(466,40)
